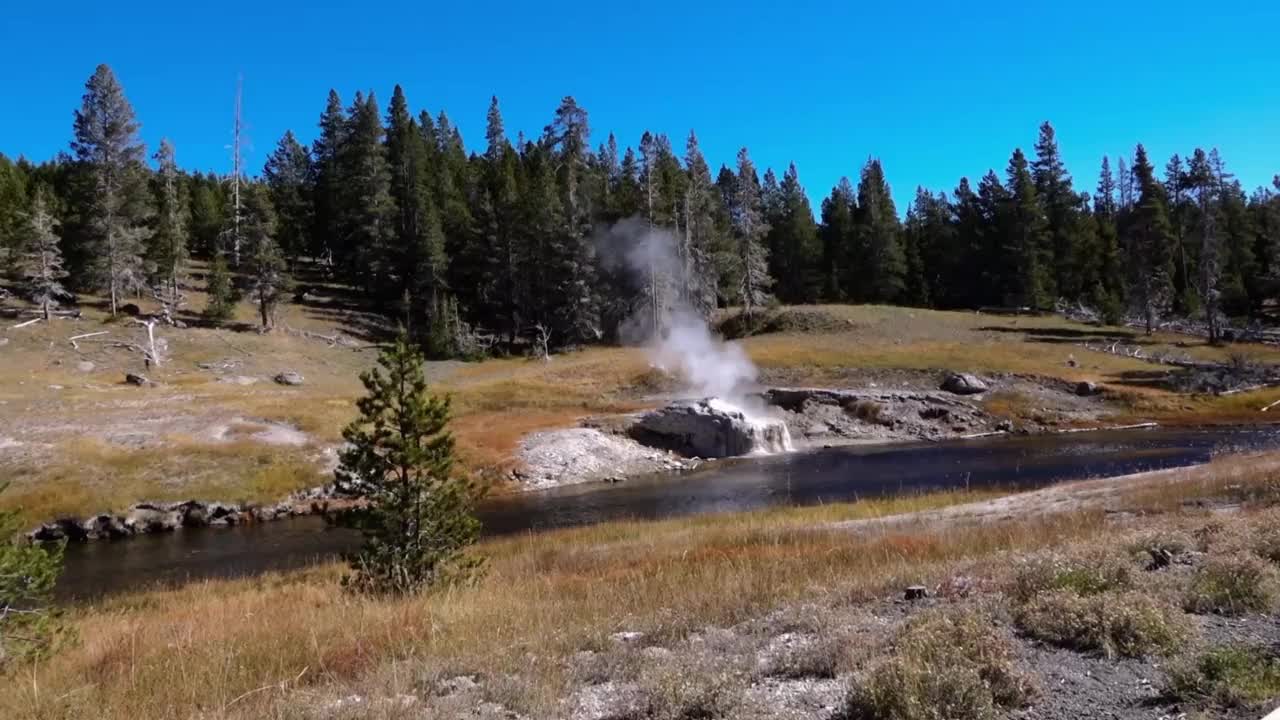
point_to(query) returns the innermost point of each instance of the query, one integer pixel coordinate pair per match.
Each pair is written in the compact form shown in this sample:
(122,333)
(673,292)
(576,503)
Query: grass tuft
(1232,585)
(1230,676)
(1127,624)
(951,664)
(1086,572)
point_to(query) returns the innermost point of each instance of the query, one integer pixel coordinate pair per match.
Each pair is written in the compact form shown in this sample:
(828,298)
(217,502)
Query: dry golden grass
(258,647)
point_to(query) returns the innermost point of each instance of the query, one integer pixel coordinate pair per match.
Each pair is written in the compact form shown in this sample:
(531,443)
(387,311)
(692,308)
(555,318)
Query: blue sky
(935,92)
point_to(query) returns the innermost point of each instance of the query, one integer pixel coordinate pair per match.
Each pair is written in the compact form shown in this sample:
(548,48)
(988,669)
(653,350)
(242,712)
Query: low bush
(950,664)
(1114,624)
(1083,573)
(1230,585)
(1158,549)
(1266,542)
(1230,675)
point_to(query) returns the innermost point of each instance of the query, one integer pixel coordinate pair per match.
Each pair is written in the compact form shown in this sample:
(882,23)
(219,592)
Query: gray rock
(150,518)
(288,377)
(1087,389)
(105,527)
(136,379)
(964,384)
(85,366)
(4,341)
(710,428)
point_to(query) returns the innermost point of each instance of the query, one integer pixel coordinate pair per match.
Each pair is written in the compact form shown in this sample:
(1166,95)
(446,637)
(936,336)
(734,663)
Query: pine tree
(1149,239)
(30,626)
(366,219)
(746,213)
(44,267)
(969,287)
(932,239)
(420,515)
(576,309)
(268,277)
(1064,217)
(418,259)
(167,252)
(702,239)
(327,180)
(106,145)
(881,279)
(288,175)
(838,238)
(795,248)
(206,212)
(220,305)
(13,197)
(1026,241)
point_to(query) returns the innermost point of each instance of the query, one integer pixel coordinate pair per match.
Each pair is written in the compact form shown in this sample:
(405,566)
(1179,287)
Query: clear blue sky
(935,92)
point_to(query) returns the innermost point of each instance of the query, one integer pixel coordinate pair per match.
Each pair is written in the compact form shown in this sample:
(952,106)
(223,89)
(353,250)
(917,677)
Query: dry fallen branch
(26,323)
(74,338)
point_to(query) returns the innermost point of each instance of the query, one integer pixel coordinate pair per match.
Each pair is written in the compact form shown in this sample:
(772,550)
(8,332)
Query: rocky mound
(711,428)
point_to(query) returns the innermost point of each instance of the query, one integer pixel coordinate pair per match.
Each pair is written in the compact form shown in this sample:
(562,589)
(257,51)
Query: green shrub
(946,665)
(29,625)
(1230,585)
(1084,573)
(1114,623)
(1232,676)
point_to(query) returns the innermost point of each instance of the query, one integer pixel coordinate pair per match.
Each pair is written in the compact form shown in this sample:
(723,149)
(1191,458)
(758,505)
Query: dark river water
(802,478)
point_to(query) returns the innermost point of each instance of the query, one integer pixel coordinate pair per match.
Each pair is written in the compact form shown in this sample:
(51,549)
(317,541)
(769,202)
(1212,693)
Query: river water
(801,478)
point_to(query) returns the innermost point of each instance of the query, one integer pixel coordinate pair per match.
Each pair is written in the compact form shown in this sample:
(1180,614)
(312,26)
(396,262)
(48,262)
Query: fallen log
(26,323)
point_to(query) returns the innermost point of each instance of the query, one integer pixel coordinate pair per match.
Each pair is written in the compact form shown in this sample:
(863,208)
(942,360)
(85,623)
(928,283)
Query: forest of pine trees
(504,242)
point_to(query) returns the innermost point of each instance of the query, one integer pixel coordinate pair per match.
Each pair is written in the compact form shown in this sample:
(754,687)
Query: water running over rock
(712,428)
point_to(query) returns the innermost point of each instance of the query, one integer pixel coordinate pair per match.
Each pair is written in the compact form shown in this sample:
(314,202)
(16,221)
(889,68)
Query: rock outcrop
(711,428)
(288,377)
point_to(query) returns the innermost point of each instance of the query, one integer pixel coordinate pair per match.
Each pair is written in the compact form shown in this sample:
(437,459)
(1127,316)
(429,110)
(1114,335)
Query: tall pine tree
(114,198)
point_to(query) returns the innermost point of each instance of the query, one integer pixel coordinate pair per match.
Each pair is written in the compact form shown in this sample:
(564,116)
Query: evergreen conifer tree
(288,176)
(44,267)
(167,252)
(1149,237)
(878,240)
(115,204)
(420,517)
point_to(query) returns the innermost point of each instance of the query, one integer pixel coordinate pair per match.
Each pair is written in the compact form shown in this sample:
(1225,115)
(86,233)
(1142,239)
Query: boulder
(1087,389)
(149,518)
(85,366)
(288,377)
(60,529)
(105,527)
(964,384)
(711,428)
(136,379)
(131,310)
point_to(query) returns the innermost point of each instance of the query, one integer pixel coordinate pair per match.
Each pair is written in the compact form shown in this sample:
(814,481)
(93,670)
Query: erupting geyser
(720,419)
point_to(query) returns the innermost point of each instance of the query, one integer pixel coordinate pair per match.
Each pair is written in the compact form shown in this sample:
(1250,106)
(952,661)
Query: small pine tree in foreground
(420,515)
(28,625)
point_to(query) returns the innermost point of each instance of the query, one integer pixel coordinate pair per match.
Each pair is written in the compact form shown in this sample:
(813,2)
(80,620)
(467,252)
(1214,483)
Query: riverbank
(788,612)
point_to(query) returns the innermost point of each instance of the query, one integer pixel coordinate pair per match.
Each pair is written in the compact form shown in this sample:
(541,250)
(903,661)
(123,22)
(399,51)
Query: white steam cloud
(680,341)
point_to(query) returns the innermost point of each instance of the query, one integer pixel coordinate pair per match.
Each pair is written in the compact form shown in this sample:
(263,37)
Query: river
(802,478)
